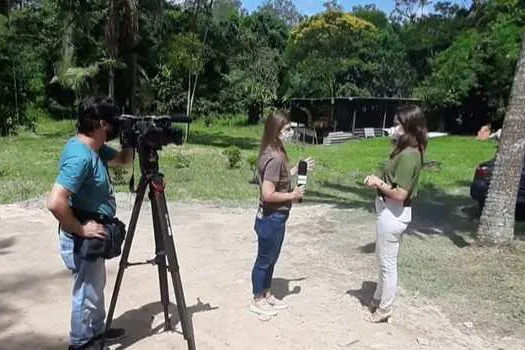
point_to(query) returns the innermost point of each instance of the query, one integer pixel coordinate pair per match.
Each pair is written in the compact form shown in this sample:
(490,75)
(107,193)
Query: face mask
(396,131)
(286,135)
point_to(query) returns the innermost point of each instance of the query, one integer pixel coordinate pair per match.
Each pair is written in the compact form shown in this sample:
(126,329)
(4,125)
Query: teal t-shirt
(84,172)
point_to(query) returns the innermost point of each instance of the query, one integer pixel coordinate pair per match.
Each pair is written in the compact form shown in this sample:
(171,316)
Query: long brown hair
(414,124)
(272,128)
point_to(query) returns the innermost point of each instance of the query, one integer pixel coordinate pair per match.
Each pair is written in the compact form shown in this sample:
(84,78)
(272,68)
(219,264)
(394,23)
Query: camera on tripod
(147,135)
(150,131)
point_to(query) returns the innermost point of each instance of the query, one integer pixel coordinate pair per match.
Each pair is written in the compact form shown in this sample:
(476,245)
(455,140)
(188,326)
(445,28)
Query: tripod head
(151,131)
(148,134)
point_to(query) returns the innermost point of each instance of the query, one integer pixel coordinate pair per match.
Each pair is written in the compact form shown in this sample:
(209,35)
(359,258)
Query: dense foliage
(210,58)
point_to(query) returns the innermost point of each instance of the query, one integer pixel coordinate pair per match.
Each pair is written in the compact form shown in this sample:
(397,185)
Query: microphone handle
(301,181)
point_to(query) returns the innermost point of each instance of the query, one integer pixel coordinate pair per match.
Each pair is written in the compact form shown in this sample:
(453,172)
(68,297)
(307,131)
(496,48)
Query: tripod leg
(173,266)
(160,260)
(125,252)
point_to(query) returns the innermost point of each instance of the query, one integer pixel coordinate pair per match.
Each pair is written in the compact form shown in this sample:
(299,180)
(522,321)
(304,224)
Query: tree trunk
(253,113)
(193,94)
(133,93)
(188,98)
(111,38)
(496,225)
(111,82)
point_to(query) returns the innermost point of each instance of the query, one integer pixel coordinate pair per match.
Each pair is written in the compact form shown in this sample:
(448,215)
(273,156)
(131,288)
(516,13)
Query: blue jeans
(88,308)
(270,235)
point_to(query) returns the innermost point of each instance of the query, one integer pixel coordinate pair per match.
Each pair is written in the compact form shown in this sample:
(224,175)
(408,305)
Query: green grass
(474,284)
(28,163)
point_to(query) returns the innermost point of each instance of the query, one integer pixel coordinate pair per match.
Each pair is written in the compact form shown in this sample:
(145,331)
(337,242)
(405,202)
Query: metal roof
(355,98)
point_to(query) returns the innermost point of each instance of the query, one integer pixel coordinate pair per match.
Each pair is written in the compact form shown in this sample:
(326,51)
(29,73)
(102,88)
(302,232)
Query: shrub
(234,156)
(181,161)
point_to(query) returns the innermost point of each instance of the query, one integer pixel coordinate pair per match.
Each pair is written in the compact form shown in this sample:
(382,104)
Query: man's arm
(124,157)
(57,204)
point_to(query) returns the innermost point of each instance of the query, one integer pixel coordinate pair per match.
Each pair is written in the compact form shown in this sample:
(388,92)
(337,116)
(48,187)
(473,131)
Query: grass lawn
(198,169)
(438,262)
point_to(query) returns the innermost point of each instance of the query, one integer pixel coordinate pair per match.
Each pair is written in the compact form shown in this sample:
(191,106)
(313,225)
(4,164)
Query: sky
(310,7)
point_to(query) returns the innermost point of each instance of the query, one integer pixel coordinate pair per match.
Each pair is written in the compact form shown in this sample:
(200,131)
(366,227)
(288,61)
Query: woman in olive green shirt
(395,188)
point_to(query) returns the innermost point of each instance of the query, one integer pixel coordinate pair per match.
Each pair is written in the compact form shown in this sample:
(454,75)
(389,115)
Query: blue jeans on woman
(89,278)
(270,235)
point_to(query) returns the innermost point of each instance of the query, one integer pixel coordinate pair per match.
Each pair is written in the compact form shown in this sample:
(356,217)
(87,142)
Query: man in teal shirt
(83,183)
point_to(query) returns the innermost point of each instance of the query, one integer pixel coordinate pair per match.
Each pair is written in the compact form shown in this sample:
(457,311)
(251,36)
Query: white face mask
(396,131)
(286,135)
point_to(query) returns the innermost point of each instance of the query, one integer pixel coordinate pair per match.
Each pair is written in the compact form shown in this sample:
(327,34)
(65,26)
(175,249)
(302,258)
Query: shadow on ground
(365,294)
(435,212)
(25,286)
(139,322)
(5,244)
(281,287)
(219,139)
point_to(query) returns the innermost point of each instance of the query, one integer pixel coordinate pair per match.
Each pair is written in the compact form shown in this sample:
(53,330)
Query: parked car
(480,186)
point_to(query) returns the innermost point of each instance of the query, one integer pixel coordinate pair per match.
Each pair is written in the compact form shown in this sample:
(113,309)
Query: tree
(111,38)
(496,225)
(332,6)
(410,10)
(330,55)
(254,75)
(371,14)
(186,55)
(284,10)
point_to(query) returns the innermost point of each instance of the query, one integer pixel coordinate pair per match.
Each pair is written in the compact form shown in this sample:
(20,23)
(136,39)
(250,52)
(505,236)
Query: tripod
(164,246)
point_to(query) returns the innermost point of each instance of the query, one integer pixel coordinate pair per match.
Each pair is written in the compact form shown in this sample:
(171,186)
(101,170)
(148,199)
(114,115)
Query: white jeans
(392,221)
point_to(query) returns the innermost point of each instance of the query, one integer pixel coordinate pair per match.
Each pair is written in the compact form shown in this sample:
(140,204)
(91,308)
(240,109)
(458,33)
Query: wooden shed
(341,118)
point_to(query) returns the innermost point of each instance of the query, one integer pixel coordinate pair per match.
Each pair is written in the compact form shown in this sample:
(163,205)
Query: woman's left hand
(372,181)
(311,163)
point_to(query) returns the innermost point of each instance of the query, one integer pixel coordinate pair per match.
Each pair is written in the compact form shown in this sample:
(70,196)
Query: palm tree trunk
(188,100)
(111,82)
(111,37)
(133,95)
(193,94)
(496,225)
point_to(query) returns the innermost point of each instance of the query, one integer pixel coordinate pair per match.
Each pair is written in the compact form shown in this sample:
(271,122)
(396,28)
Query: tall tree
(371,14)
(331,54)
(332,5)
(111,38)
(283,9)
(496,225)
(410,10)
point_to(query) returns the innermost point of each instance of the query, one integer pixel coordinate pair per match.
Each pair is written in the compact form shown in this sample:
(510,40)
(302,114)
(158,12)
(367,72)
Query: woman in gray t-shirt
(276,197)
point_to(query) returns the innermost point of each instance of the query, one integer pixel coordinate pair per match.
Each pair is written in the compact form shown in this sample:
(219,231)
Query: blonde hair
(272,128)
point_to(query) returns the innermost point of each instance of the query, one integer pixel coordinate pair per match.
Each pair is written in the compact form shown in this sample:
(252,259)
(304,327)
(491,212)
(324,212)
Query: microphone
(302,169)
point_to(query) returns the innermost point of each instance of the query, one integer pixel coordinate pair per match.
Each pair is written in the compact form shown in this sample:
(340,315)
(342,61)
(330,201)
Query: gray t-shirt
(274,167)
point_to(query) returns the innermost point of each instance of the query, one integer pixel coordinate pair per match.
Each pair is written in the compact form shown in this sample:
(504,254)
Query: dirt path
(322,273)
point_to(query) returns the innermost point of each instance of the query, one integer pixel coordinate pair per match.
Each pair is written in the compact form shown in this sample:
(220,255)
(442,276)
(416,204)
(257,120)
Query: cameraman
(83,183)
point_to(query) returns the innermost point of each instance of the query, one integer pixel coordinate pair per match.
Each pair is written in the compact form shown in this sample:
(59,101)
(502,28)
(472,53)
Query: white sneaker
(262,307)
(276,303)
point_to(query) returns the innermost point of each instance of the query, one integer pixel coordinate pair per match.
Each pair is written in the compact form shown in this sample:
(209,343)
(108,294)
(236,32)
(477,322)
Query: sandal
(374,303)
(379,316)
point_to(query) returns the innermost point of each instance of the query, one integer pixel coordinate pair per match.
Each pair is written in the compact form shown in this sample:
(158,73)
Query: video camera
(150,131)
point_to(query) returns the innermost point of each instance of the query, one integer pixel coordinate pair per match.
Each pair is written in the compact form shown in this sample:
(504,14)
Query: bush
(208,121)
(234,156)
(33,115)
(252,162)
(181,161)
(118,174)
